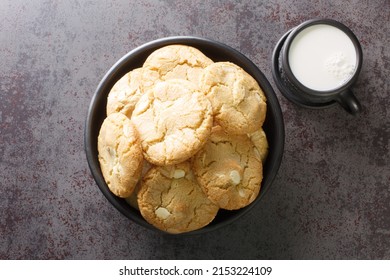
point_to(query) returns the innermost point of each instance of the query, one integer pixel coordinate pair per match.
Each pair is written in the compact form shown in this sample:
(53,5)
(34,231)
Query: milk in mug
(322,57)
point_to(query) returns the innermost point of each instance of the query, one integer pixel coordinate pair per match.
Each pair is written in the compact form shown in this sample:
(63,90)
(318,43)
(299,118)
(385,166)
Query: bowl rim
(119,68)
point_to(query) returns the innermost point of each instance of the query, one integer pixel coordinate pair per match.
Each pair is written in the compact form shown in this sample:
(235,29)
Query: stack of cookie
(183,138)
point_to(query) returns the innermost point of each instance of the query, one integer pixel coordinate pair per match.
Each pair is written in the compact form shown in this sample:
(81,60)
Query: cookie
(119,154)
(171,199)
(239,104)
(174,120)
(228,170)
(127,90)
(259,139)
(177,62)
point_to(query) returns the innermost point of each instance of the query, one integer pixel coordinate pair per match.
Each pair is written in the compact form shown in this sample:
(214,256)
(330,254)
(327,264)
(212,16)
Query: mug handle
(349,102)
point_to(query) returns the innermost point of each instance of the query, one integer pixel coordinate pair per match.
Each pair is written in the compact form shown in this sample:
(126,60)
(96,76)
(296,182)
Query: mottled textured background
(330,199)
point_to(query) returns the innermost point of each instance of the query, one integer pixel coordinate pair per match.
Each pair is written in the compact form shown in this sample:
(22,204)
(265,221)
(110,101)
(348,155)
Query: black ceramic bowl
(273,126)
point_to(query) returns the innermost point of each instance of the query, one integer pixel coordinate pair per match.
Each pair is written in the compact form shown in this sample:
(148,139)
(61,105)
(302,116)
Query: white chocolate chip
(126,131)
(111,152)
(117,169)
(142,105)
(178,173)
(162,213)
(241,193)
(113,157)
(235,176)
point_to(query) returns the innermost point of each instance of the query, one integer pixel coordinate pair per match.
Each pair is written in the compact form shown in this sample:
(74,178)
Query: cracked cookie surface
(126,92)
(174,120)
(239,104)
(177,62)
(171,199)
(119,154)
(228,170)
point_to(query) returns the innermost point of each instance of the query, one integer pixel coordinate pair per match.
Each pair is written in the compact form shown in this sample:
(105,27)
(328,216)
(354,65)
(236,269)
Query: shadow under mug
(299,91)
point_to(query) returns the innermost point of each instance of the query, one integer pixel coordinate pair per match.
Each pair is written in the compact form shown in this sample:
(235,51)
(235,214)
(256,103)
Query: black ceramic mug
(317,63)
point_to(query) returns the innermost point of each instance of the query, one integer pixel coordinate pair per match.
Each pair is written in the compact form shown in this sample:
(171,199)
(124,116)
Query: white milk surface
(322,57)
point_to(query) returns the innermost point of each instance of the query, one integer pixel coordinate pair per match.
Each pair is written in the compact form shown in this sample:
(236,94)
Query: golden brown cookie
(174,121)
(171,199)
(120,154)
(177,62)
(239,104)
(259,139)
(127,90)
(228,170)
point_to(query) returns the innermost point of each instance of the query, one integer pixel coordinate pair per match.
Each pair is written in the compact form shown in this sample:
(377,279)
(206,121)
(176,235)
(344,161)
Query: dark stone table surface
(330,199)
